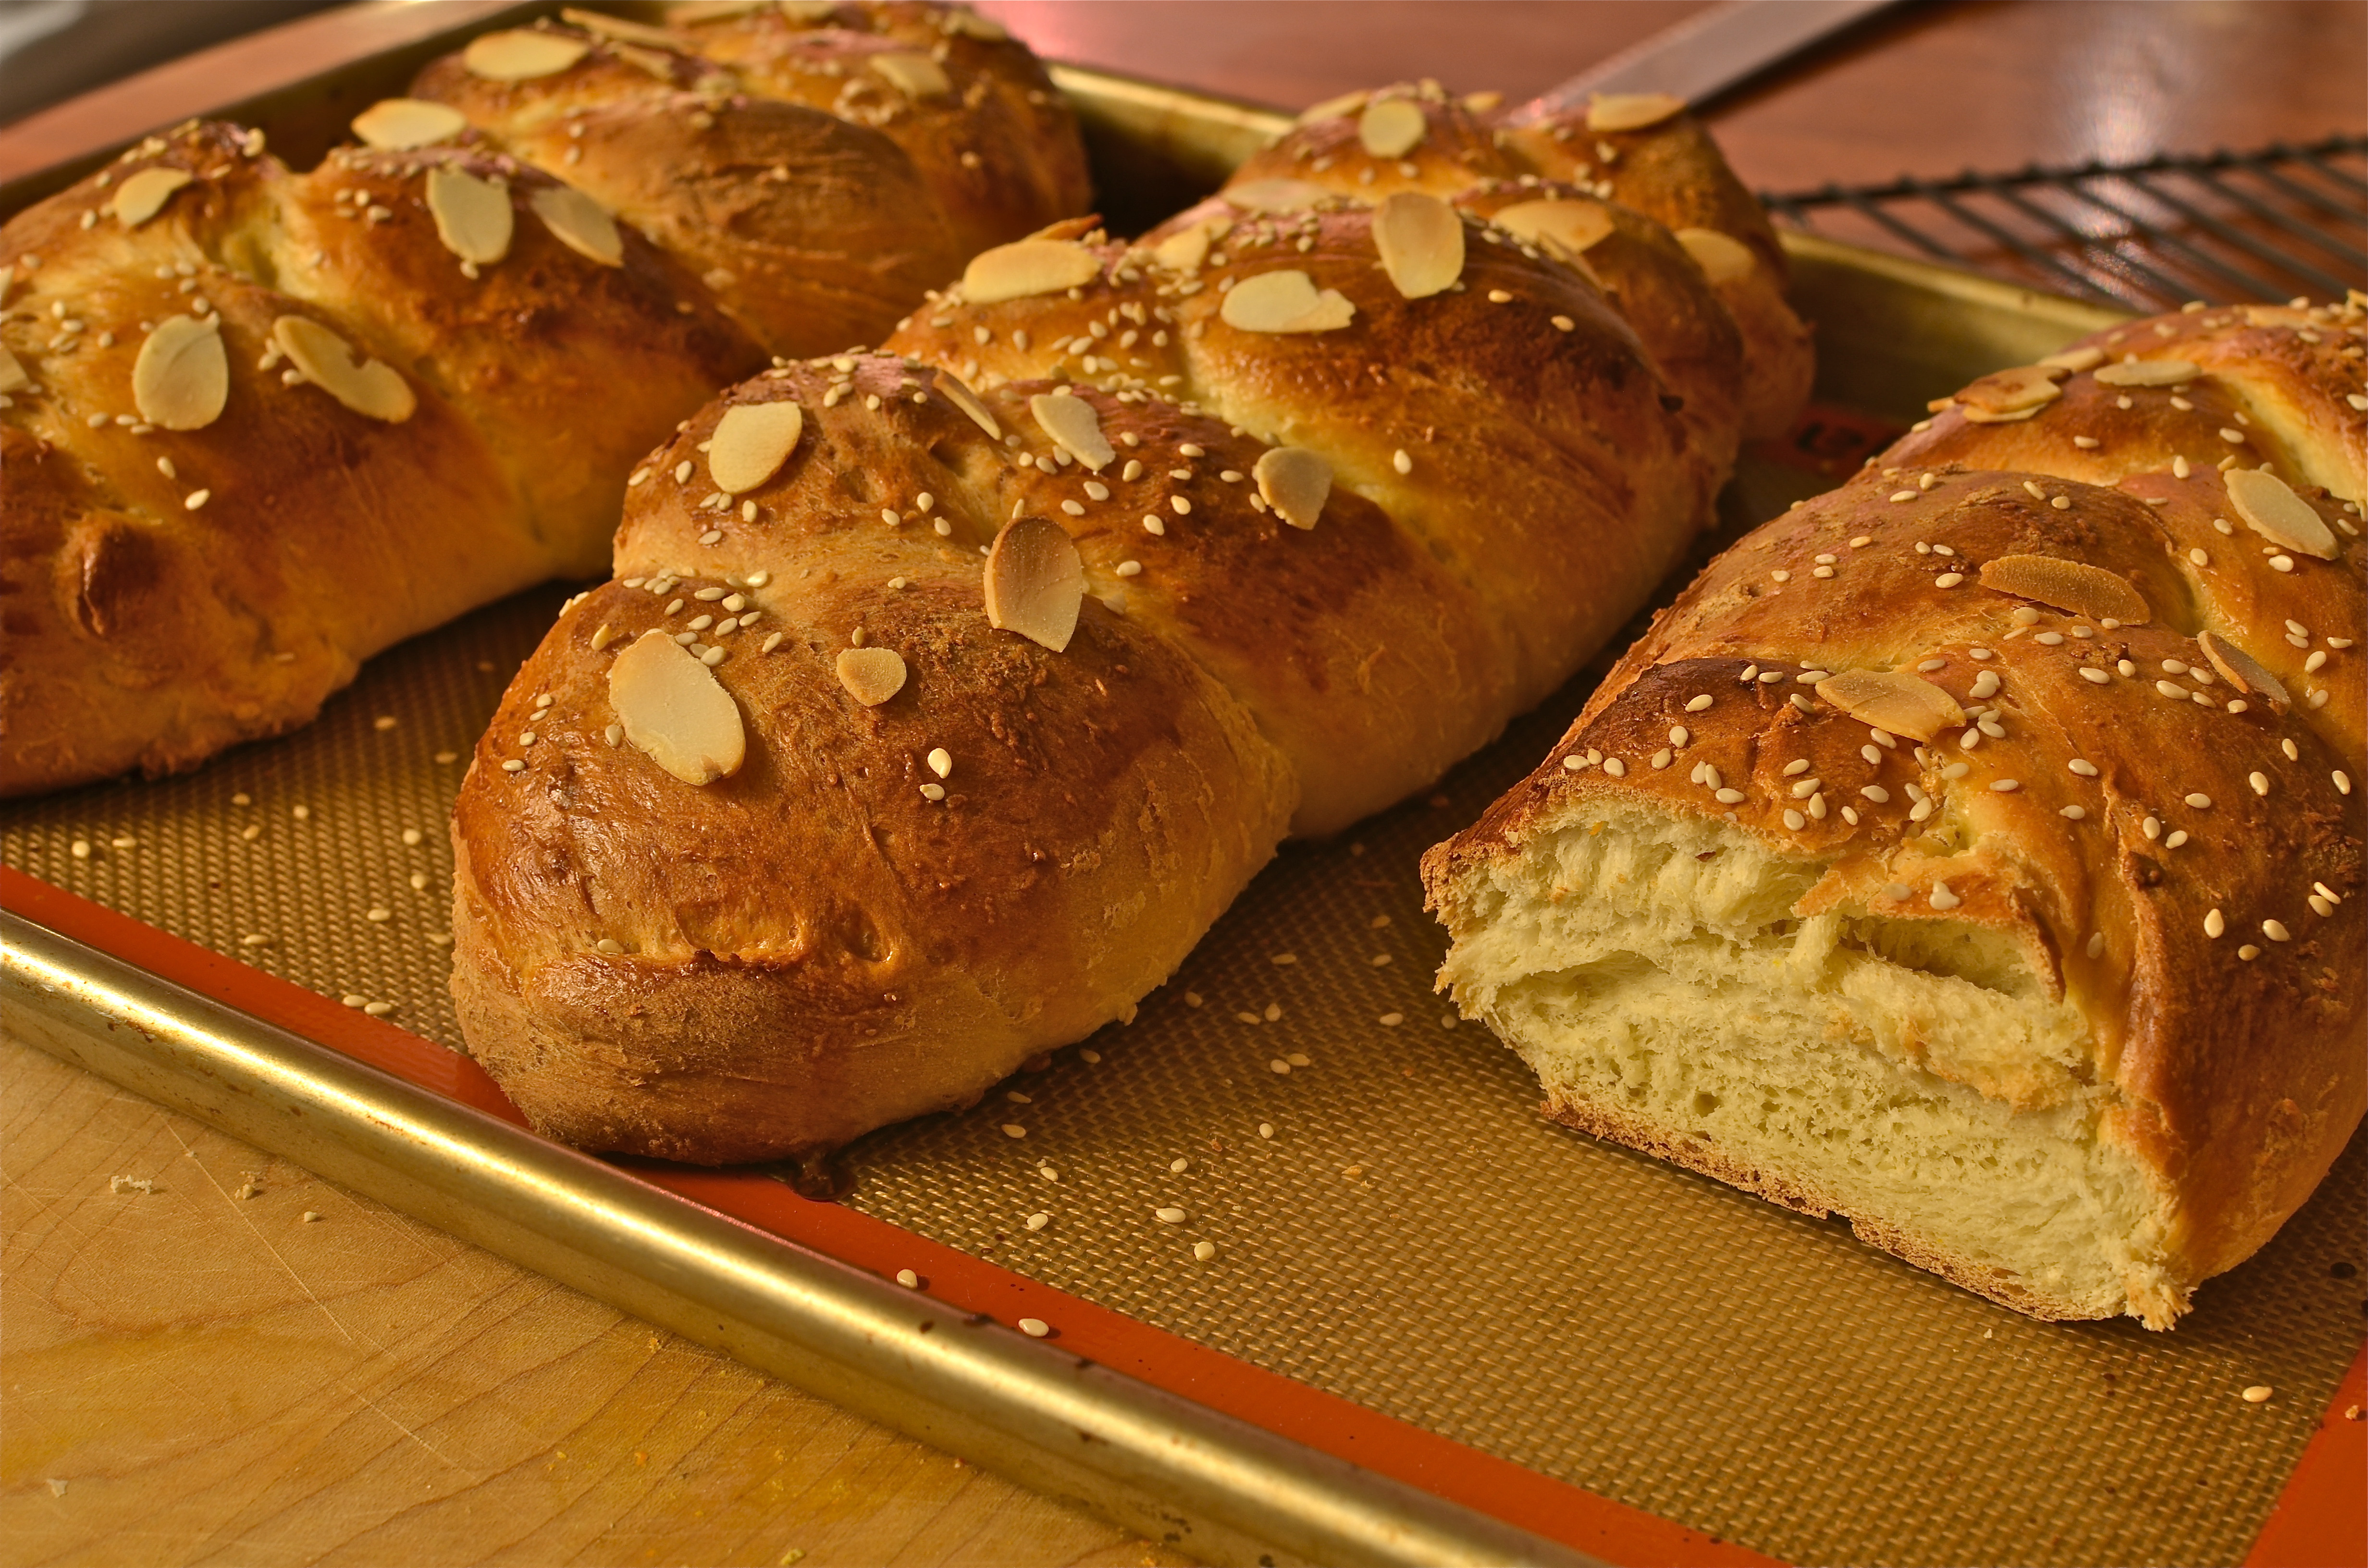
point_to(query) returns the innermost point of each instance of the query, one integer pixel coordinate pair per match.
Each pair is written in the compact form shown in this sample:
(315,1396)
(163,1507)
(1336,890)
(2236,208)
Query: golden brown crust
(144,633)
(1667,173)
(1670,173)
(2160,839)
(779,960)
(817,946)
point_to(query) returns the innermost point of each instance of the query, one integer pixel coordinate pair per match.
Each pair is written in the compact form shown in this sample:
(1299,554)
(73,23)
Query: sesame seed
(2214,924)
(1034,1328)
(2006,786)
(2125,667)
(2260,781)
(1169,1216)
(1929,665)
(2320,906)
(2259,1393)
(1013,1130)
(1728,797)
(513,766)
(2082,766)
(2178,837)
(1498,297)
(1204,1251)
(907,1279)
(1943,898)
(2202,802)
(1615,767)
(2076,814)
(2095,676)
(1903,495)
(1876,793)
(2342,782)
(1795,820)
(2248,952)
(1956,770)
(2275,931)
(1948,579)
(2282,563)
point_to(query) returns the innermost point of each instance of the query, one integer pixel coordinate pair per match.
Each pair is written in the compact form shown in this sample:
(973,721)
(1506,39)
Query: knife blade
(1710,50)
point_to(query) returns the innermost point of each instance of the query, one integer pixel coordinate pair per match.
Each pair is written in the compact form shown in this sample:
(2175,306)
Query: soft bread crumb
(1650,970)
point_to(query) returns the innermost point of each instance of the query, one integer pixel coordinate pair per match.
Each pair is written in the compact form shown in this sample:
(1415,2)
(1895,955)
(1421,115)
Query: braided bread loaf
(259,424)
(1973,851)
(815,820)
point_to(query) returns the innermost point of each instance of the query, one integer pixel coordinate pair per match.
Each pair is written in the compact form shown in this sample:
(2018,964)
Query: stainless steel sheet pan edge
(1204,1482)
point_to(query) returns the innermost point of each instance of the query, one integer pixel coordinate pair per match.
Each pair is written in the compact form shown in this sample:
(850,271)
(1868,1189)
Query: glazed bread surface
(1328,506)
(1974,851)
(535,268)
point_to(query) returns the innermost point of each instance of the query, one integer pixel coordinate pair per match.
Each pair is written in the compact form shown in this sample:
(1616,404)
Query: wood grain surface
(219,1357)
(189,1375)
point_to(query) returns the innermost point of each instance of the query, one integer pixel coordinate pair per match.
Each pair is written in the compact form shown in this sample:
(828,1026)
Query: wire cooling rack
(2222,227)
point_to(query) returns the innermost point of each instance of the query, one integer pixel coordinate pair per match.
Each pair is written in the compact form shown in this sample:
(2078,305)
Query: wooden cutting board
(208,1354)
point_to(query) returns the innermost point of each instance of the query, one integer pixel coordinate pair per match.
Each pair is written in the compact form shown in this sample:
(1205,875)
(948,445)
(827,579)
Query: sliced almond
(676,712)
(396,125)
(1421,241)
(1976,414)
(1284,301)
(1391,128)
(1072,422)
(2072,585)
(182,376)
(2272,510)
(970,24)
(580,223)
(1184,250)
(1893,701)
(1722,257)
(1035,582)
(366,386)
(1334,108)
(521,55)
(142,196)
(751,443)
(473,217)
(1567,223)
(12,374)
(2013,391)
(2074,359)
(1630,111)
(962,397)
(1295,483)
(1027,267)
(2240,668)
(914,76)
(871,675)
(608,26)
(661,63)
(1276,195)
(692,13)
(2148,372)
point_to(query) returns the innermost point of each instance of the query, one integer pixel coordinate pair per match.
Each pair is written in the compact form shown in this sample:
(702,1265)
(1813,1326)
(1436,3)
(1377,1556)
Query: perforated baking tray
(1433,1327)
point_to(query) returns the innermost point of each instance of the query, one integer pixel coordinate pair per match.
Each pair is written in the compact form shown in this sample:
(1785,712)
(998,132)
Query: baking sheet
(1411,1235)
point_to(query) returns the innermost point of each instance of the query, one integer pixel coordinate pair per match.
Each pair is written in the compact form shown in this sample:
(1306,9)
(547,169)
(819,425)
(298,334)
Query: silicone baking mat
(1387,1217)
